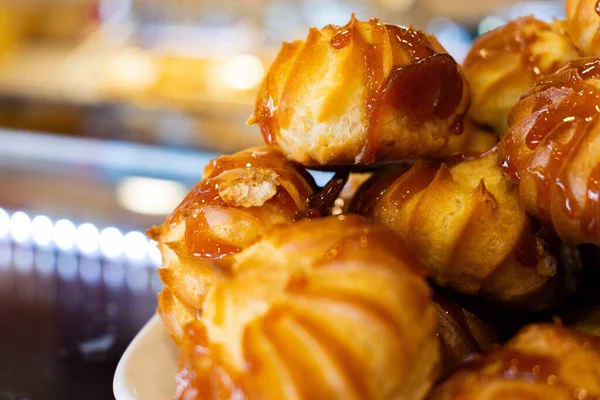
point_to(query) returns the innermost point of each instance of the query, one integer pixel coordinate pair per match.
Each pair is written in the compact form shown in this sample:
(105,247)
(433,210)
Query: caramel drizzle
(518,365)
(574,111)
(370,193)
(590,217)
(203,367)
(201,371)
(548,174)
(514,364)
(417,179)
(457,314)
(320,203)
(267,121)
(597,8)
(199,242)
(511,38)
(430,86)
(373,70)
(589,214)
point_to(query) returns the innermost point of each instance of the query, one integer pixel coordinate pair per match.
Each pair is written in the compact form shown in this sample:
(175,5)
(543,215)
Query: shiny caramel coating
(240,197)
(552,149)
(462,334)
(361,93)
(583,24)
(332,308)
(503,63)
(542,362)
(466,223)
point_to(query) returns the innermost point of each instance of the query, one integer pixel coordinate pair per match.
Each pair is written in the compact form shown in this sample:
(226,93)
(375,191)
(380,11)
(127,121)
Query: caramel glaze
(429,87)
(197,371)
(519,365)
(472,156)
(510,39)
(406,184)
(456,327)
(417,179)
(369,241)
(374,74)
(457,314)
(267,121)
(410,182)
(512,363)
(597,8)
(202,369)
(560,121)
(590,217)
(320,203)
(372,190)
(199,242)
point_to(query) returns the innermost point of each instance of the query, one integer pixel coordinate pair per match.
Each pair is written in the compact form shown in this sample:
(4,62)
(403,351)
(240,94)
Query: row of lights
(69,267)
(86,238)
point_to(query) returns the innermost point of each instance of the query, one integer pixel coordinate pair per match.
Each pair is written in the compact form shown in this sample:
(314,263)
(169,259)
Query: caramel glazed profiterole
(362,93)
(240,197)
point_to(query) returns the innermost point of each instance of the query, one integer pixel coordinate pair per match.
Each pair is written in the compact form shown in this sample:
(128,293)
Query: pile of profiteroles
(431,264)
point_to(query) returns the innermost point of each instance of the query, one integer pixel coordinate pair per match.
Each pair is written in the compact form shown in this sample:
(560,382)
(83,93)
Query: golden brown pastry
(583,23)
(239,198)
(542,362)
(502,64)
(466,223)
(474,139)
(553,150)
(332,308)
(461,333)
(361,93)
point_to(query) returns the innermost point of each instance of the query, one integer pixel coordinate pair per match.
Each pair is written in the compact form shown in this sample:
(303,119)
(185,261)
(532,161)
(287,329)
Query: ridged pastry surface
(325,309)
(552,150)
(503,63)
(583,25)
(239,198)
(542,362)
(466,223)
(361,93)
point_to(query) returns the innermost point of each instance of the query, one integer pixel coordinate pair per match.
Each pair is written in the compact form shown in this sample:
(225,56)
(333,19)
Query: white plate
(147,369)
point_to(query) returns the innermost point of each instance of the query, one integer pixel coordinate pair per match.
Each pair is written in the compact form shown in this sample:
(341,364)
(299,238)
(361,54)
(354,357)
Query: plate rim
(122,389)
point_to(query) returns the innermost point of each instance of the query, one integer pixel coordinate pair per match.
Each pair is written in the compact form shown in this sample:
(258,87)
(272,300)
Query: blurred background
(109,110)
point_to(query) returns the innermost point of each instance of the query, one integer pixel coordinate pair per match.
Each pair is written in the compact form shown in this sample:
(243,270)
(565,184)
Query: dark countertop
(65,320)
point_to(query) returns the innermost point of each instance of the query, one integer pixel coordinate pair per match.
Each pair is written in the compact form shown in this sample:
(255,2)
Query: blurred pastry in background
(321,309)
(541,362)
(361,93)
(461,333)
(466,223)
(11,30)
(552,150)
(503,63)
(240,197)
(583,23)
